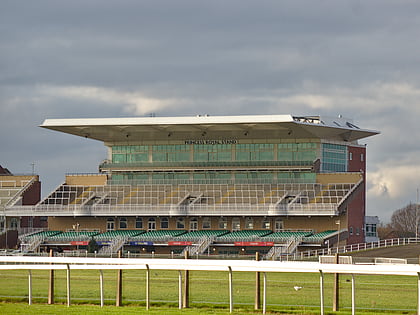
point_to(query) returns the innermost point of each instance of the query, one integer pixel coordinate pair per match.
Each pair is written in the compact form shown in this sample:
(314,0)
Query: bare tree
(405,221)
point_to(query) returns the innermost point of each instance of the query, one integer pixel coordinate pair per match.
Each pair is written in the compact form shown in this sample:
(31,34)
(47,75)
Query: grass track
(209,293)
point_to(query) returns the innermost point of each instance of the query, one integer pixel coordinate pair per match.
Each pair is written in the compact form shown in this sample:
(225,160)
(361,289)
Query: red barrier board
(79,243)
(254,243)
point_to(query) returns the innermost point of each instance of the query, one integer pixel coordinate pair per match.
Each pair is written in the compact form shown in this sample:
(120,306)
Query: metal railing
(359,247)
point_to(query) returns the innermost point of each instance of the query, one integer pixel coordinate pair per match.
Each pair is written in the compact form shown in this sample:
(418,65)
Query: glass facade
(334,158)
(246,152)
(297,151)
(215,176)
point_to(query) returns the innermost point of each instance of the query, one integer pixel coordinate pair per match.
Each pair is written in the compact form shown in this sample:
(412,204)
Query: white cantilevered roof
(209,127)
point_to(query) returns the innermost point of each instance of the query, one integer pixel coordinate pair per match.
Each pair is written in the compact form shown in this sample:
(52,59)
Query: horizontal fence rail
(65,263)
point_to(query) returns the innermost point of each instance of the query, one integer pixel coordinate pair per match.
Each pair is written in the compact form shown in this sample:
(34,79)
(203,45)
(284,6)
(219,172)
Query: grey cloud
(355,58)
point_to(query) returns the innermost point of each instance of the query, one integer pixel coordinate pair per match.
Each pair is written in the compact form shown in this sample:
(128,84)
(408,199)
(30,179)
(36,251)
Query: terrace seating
(246,235)
(63,195)
(72,236)
(196,235)
(332,193)
(6,195)
(168,195)
(40,235)
(162,235)
(284,237)
(319,237)
(110,235)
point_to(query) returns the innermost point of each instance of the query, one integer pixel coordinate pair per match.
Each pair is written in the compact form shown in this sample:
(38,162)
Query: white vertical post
(30,287)
(179,289)
(353,295)
(147,287)
(101,286)
(68,285)
(264,292)
(321,288)
(230,290)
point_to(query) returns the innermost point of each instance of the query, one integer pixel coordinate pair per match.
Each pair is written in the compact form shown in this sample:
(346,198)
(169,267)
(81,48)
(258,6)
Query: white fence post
(353,295)
(264,292)
(101,286)
(147,287)
(230,290)
(30,287)
(68,285)
(179,289)
(321,289)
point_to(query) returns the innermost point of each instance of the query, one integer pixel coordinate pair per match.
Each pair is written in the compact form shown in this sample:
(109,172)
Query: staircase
(203,245)
(288,249)
(33,245)
(275,252)
(114,247)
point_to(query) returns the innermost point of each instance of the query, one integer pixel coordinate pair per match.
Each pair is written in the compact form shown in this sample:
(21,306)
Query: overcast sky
(83,59)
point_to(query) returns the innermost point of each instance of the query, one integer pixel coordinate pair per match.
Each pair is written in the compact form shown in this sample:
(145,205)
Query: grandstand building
(215,184)
(18,190)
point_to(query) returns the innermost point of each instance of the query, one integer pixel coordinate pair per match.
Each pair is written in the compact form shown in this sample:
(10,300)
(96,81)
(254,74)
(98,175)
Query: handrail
(360,246)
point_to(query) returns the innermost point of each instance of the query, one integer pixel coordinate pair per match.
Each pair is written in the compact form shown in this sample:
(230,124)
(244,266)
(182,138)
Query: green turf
(209,293)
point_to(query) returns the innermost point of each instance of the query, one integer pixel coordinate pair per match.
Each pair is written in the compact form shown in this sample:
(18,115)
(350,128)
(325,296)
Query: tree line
(404,223)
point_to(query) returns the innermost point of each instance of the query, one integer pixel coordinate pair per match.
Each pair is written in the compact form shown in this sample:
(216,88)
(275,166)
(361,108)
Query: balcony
(292,165)
(175,210)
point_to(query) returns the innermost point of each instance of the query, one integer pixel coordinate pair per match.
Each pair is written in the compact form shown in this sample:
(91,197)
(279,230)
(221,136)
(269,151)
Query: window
(151,224)
(206,223)
(362,157)
(357,231)
(278,225)
(110,224)
(351,156)
(223,223)
(351,230)
(14,223)
(255,152)
(236,224)
(30,222)
(180,223)
(164,223)
(249,223)
(193,224)
(371,230)
(139,223)
(123,223)
(334,157)
(266,225)
(305,151)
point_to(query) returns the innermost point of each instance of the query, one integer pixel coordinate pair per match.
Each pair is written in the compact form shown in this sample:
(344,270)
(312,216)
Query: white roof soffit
(207,127)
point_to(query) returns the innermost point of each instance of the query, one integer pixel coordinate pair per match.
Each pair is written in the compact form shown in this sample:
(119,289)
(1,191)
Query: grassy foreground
(208,293)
